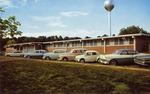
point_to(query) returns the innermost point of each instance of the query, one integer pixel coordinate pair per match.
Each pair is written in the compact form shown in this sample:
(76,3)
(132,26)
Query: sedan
(143,60)
(15,54)
(88,56)
(54,54)
(35,54)
(121,56)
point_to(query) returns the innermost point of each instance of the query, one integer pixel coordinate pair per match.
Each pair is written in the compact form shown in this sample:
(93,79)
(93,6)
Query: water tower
(108,4)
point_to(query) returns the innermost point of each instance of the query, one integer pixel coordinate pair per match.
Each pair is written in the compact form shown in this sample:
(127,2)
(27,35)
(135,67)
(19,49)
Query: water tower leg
(109,22)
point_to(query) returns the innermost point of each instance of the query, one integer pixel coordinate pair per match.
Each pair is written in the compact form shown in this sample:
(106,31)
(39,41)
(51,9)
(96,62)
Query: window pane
(107,42)
(94,53)
(102,42)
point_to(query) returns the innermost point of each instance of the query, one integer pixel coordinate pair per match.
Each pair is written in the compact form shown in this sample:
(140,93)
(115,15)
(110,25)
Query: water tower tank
(109,5)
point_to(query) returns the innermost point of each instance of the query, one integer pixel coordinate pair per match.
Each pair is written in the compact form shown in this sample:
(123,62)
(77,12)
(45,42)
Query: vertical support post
(66,43)
(109,22)
(135,43)
(104,46)
(82,44)
(34,47)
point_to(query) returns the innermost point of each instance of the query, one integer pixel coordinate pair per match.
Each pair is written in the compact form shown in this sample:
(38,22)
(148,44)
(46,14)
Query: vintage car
(88,56)
(35,54)
(71,55)
(121,56)
(15,54)
(54,54)
(143,60)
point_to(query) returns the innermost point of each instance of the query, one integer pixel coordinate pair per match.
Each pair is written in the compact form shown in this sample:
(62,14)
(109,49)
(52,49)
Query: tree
(132,30)
(87,37)
(9,27)
(1,9)
(12,29)
(105,35)
(2,29)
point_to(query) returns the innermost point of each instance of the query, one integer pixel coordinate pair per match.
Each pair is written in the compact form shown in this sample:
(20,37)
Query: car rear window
(94,53)
(132,52)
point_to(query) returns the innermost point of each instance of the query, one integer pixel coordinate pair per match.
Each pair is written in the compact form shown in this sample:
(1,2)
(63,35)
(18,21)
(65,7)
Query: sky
(75,18)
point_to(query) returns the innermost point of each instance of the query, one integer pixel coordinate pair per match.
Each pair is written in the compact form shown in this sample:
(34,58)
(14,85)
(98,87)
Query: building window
(72,44)
(116,42)
(102,42)
(91,43)
(107,42)
(121,41)
(95,42)
(60,45)
(86,43)
(131,41)
(68,45)
(75,44)
(48,46)
(80,44)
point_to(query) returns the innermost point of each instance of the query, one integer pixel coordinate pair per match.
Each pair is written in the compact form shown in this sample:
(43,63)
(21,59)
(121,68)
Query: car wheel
(28,57)
(47,58)
(82,60)
(113,62)
(98,60)
(65,59)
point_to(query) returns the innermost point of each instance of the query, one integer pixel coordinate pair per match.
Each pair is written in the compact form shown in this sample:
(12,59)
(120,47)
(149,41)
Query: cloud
(71,33)
(36,1)
(50,20)
(6,3)
(23,2)
(13,3)
(73,14)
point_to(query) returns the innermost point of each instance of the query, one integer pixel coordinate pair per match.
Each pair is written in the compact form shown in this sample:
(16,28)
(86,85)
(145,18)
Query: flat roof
(80,40)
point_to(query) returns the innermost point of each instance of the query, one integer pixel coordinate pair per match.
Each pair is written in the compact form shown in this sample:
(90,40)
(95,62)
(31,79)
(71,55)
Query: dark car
(120,56)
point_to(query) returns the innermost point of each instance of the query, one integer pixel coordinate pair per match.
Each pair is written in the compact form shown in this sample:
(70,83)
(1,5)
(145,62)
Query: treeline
(24,39)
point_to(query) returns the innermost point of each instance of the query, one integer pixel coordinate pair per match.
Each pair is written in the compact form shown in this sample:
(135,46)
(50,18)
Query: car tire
(113,62)
(82,60)
(98,60)
(47,58)
(29,57)
(65,59)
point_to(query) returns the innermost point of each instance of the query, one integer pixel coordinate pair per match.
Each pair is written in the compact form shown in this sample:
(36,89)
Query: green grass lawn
(23,76)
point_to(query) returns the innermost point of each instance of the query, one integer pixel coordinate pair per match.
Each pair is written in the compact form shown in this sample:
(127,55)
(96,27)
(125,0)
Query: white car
(15,54)
(88,56)
(54,54)
(35,54)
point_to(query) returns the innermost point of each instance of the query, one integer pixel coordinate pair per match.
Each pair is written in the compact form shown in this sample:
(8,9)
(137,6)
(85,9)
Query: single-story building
(139,42)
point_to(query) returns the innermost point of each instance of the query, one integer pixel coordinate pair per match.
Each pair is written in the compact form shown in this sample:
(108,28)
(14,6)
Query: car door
(15,54)
(94,56)
(55,55)
(41,53)
(125,57)
(88,57)
(36,54)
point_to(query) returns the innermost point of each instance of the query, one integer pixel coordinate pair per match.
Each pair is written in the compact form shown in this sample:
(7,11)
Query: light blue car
(54,55)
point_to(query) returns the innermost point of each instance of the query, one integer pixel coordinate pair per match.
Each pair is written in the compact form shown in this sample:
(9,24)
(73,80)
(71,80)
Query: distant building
(139,42)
